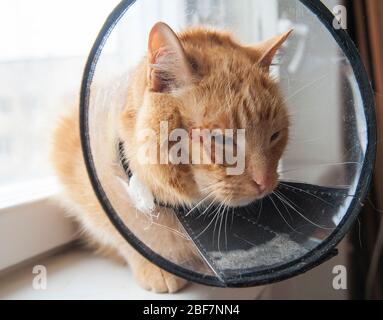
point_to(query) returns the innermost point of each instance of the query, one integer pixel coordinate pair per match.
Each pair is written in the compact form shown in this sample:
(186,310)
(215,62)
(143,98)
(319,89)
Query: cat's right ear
(168,67)
(265,51)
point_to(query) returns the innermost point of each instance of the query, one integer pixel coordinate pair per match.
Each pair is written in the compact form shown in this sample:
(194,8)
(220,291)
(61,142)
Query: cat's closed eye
(275,136)
(224,140)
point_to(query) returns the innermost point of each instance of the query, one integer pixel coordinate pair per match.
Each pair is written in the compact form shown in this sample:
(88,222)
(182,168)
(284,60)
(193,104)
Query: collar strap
(124,162)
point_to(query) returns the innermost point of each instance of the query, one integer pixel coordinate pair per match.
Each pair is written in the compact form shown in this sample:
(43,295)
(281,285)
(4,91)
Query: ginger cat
(196,79)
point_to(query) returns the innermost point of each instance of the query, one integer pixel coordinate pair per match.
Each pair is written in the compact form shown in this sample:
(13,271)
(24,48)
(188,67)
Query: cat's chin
(242,202)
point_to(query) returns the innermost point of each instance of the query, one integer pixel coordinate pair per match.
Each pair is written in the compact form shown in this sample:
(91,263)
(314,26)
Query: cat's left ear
(168,66)
(265,51)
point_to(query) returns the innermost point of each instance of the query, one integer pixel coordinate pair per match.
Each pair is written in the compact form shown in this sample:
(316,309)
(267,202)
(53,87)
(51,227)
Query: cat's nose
(263,182)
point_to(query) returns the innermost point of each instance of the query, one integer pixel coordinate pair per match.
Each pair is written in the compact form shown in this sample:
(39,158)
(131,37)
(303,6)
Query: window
(44,48)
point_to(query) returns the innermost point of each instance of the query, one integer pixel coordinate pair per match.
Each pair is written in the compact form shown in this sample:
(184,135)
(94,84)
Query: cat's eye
(275,136)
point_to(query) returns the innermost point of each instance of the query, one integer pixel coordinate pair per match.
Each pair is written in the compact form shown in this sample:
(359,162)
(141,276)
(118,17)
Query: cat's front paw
(154,279)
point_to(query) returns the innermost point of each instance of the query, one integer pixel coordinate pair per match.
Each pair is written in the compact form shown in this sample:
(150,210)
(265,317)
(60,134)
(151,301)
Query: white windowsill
(79,274)
(16,194)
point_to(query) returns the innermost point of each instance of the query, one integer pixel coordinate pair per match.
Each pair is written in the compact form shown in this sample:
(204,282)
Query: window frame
(31,222)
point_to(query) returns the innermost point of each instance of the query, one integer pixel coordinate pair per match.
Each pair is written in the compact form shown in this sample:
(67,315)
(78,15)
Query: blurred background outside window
(44,45)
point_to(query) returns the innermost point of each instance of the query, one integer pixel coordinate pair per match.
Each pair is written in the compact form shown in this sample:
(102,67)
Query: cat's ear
(265,51)
(168,66)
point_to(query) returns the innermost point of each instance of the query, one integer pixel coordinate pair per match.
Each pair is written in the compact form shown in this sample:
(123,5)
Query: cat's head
(203,79)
